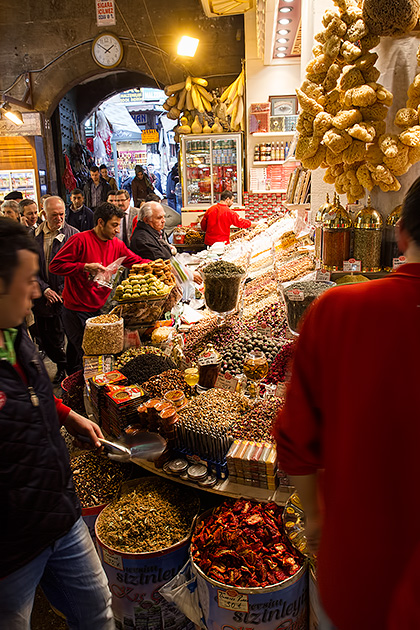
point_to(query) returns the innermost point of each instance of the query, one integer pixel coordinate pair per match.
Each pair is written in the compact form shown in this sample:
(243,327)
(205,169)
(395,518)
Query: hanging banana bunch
(190,94)
(234,95)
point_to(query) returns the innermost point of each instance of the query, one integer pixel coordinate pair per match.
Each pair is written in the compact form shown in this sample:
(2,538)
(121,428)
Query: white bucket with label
(134,581)
(90,515)
(314,604)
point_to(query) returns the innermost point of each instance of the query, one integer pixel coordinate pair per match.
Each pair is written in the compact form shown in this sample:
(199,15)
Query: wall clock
(107,50)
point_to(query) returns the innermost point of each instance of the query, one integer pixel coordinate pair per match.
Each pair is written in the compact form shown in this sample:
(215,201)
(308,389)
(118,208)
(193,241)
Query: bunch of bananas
(234,93)
(187,95)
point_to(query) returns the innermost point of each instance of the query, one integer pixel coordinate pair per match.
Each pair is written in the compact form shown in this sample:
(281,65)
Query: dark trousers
(50,332)
(74,326)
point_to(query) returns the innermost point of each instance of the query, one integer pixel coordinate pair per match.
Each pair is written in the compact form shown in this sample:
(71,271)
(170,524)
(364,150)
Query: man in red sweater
(349,437)
(79,260)
(218,219)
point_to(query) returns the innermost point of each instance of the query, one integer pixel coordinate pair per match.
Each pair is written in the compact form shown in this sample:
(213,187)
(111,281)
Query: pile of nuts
(131,353)
(103,335)
(96,478)
(256,425)
(158,385)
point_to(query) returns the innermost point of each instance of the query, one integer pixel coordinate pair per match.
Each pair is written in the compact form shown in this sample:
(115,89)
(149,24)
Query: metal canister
(336,231)
(390,249)
(368,232)
(319,217)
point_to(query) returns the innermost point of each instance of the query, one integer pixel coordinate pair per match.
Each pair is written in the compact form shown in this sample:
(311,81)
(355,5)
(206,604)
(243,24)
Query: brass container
(390,249)
(326,207)
(368,232)
(336,230)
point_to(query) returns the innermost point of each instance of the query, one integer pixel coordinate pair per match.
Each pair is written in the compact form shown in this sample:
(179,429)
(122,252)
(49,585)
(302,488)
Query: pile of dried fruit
(243,544)
(256,424)
(155,516)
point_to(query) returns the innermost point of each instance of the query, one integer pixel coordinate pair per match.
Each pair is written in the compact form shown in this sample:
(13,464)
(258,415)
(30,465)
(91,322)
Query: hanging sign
(149,136)
(105,13)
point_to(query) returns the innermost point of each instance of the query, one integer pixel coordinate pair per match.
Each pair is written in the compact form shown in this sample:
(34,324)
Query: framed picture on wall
(283,105)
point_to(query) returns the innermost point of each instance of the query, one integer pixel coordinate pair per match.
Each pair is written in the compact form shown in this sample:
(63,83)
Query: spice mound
(298,296)
(222,281)
(131,353)
(243,544)
(156,515)
(96,478)
(257,423)
(142,367)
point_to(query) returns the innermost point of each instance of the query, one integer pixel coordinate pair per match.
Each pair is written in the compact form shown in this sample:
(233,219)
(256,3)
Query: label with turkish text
(352,265)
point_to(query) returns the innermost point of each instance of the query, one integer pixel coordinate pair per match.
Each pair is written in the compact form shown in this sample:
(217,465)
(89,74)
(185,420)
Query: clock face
(107,50)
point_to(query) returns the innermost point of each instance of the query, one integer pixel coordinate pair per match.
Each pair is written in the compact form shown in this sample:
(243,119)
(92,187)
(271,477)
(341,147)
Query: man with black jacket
(78,215)
(43,539)
(51,235)
(149,239)
(96,189)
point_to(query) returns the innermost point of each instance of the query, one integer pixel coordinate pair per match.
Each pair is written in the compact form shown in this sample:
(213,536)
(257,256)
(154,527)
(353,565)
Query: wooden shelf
(272,134)
(272,190)
(261,163)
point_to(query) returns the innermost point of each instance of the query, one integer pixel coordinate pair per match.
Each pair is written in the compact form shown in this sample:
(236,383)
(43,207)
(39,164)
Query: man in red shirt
(218,219)
(349,437)
(79,260)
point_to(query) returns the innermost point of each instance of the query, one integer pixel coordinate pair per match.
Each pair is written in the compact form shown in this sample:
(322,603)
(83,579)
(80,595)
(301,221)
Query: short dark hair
(26,202)
(110,192)
(93,169)
(13,237)
(76,191)
(410,213)
(103,166)
(152,197)
(106,211)
(123,192)
(226,194)
(15,194)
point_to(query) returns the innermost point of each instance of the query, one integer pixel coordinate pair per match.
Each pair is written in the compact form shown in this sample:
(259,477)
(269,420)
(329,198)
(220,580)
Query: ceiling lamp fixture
(283,31)
(285,9)
(14,116)
(284,21)
(281,48)
(287,0)
(282,40)
(280,55)
(187,46)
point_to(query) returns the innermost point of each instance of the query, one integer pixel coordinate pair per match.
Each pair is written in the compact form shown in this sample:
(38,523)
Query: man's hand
(174,250)
(52,296)
(93,268)
(78,425)
(197,278)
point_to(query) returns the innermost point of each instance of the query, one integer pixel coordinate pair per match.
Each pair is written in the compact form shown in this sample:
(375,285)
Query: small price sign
(280,390)
(352,265)
(226,381)
(232,600)
(322,275)
(295,295)
(264,329)
(149,136)
(397,262)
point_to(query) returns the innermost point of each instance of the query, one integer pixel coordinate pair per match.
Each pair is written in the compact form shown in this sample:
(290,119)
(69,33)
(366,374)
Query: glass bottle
(368,231)
(326,207)
(390,249)
(336,229)
(209,362)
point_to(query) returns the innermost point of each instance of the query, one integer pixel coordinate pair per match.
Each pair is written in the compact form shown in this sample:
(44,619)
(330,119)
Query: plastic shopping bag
(106,278)
(182,591)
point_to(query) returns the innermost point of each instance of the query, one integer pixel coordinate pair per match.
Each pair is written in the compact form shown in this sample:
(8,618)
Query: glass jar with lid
(336,230)
(326,207)
(368,232)
(390,249)
(209,362)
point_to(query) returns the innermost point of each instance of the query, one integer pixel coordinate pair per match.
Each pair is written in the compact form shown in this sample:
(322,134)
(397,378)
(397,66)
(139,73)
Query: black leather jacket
(146,243)
(39,503)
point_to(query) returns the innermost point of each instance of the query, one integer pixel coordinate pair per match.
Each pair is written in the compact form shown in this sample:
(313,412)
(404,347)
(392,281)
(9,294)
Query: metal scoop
(144,445)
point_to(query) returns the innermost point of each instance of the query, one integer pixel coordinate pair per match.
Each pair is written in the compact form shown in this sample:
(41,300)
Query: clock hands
(103,48)
(108,49)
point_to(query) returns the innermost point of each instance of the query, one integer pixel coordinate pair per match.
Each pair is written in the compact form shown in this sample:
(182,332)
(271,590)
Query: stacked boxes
(98,385)
(120,407)
(253,464)
(262,205)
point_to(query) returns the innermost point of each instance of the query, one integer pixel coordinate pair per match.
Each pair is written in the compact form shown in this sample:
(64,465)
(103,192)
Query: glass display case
(22,180)
(210,164)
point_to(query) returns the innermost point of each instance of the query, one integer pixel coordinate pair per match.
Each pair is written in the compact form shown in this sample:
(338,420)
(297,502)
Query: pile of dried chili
(243,544)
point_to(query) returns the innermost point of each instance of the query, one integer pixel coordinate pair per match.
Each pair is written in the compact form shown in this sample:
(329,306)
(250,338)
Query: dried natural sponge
(351,15)
(414,154)
(364,177)
(383,95)
(350,78)
(305,123)
(355,152)
(392,17)
(307,146)
(308,104)
(362,131)
(332,46)
(411,136)
(350,51)
(399,164)
(337,140)
(366,61)
(314,162)
(333,159)
(368,42)
(346,118)
(374,155)
(406,117)
(312,90)
(329,15)
(389,144)
(331,79)
(322,123)
(370,74)
(336,26)
(361,96)
(377,111)
(357,30)
(319,65)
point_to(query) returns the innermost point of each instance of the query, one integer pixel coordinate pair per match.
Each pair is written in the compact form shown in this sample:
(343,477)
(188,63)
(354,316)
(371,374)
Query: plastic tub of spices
(175,397)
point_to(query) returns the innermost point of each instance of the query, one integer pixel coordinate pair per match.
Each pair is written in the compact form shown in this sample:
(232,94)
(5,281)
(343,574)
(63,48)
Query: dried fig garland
(343,110)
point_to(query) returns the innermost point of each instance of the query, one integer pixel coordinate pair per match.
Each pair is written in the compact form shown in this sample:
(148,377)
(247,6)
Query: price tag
(280,390)
(397,262)
(322,275)
(168,350)
(232,600)
(352,265)
(295,295)
(226,381)
(317,264)
(264,329)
